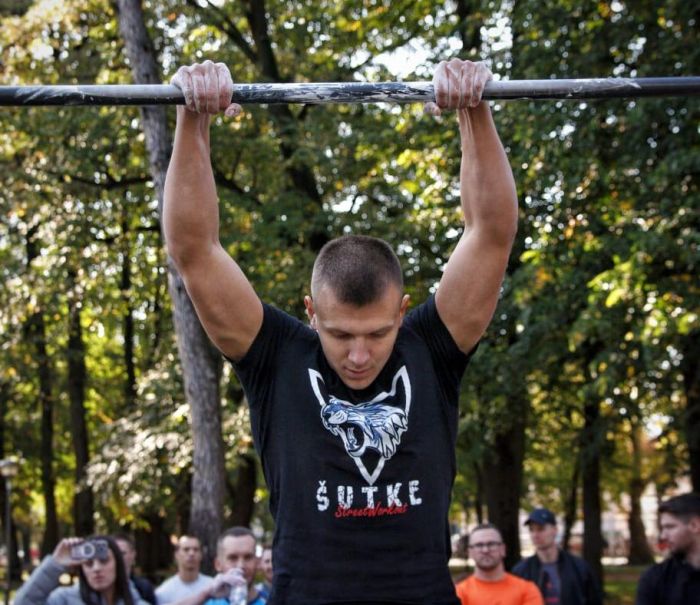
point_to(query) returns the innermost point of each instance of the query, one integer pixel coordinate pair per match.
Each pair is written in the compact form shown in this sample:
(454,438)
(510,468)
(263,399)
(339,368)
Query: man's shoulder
(524,566)
(667,567)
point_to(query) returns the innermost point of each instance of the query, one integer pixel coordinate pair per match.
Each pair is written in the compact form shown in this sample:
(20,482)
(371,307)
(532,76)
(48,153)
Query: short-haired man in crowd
(491,583)
(236,563)
(128,550)
(675,581)
(563,578)
(188,580)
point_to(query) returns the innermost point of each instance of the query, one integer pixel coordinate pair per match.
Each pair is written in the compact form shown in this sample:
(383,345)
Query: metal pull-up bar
(350,92)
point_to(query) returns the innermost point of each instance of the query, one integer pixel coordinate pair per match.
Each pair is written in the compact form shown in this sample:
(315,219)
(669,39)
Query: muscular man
(354,415)
(491,583)
(676,581)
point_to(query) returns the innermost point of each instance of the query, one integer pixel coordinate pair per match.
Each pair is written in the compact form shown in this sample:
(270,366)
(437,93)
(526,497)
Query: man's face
(487,550)
(266,564)
(679,535)
(357,341)
(237,551)
(128,554)
(188,555)
(543,536)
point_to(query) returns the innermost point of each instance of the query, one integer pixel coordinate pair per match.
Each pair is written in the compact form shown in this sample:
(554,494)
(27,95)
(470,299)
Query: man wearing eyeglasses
(490,583)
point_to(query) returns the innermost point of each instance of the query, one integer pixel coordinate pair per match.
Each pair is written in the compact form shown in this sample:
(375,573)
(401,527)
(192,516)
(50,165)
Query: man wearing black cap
(563,579)
(675,581)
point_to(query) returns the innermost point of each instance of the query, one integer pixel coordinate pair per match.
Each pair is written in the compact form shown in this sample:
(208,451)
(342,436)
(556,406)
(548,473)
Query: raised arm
(224,299)
(470,285)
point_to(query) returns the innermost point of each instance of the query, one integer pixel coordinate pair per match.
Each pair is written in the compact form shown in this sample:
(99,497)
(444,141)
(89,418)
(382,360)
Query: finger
(440,84)
(483,75)
(198,91)
(456,93)
(183,80)
(233,110)
(225,85)
(432,109)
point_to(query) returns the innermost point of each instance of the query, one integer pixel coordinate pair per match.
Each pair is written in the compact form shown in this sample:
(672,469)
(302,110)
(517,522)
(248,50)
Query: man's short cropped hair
(235,532)
(683,507)
(485,526)
(357,268)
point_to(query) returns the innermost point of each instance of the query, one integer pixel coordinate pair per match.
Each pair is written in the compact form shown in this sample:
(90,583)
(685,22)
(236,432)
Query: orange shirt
(509,590)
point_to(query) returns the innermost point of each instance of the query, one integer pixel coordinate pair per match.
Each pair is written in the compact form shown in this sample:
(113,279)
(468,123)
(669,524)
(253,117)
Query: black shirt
(672,582)
(360,482)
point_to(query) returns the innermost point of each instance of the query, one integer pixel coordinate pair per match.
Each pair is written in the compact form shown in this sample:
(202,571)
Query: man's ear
(309,304)
(404,306)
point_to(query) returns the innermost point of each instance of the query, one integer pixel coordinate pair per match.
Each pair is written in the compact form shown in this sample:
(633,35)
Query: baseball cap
(541,516)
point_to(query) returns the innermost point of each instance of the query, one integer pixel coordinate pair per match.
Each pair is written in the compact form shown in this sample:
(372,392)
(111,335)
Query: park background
(584,395)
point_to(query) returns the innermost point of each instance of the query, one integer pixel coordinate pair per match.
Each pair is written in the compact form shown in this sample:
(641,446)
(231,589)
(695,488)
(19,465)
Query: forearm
(487,187)
(40,584)
(190,204)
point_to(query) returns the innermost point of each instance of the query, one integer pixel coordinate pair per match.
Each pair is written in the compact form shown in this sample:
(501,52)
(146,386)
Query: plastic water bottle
(238,595)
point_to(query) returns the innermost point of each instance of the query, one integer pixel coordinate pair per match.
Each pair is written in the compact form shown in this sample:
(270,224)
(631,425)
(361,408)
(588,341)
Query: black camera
(92,549)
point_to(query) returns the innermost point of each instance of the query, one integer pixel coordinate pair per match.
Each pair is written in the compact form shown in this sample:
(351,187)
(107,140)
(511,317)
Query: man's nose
(359,353)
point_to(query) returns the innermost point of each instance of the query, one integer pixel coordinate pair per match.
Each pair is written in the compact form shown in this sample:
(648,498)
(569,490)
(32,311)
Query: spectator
(563,578)
(490,583)
(236,563)
(676,581)
(266,567)
(102,576)
(144,587)
(188,580)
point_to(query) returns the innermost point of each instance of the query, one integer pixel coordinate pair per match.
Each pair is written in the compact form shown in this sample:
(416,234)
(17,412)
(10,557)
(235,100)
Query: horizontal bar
(349,92)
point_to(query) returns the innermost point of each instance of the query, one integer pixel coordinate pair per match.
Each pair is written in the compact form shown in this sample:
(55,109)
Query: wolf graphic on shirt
(371,426)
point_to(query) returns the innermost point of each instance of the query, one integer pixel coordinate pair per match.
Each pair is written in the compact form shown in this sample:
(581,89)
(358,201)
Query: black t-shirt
(359,481)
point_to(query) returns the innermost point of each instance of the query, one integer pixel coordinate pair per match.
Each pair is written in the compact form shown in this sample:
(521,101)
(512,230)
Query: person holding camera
(102,577)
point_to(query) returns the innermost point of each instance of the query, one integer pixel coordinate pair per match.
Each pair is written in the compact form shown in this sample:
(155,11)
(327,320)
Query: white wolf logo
(372,425)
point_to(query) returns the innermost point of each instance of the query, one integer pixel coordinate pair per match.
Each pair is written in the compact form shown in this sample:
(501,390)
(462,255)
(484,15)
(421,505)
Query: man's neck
(490,575)
(692,557)
(188,575)
(548,555)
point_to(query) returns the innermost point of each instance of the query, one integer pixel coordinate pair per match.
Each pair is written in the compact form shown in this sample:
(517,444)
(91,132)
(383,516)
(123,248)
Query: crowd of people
(104,566)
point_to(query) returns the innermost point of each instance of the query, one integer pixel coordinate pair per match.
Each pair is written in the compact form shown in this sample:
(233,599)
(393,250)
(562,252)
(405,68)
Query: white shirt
(174,589)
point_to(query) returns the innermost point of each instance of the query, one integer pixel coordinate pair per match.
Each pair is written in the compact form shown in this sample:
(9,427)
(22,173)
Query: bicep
(470,286)
(225,301)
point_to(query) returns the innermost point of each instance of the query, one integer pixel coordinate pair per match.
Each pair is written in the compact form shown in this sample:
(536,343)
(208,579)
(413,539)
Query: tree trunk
(243,493)
(571,505)
(590,474)
(201,362)
(691,380)
(503,475)
(83,505)
(128,318)
(640,551)
(35,329)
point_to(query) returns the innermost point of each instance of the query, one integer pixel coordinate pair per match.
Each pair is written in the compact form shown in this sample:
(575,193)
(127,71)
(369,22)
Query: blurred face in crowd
(680,535)
(188,555)
(266,564)
(101,574)
(237,551)
(544,536)
(487,550)
(128,554)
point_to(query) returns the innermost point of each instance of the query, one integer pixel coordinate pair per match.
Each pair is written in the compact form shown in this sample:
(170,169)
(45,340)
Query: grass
(621,584)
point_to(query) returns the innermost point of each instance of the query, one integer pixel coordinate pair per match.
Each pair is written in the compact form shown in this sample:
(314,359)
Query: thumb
(431,108)
(233,110)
